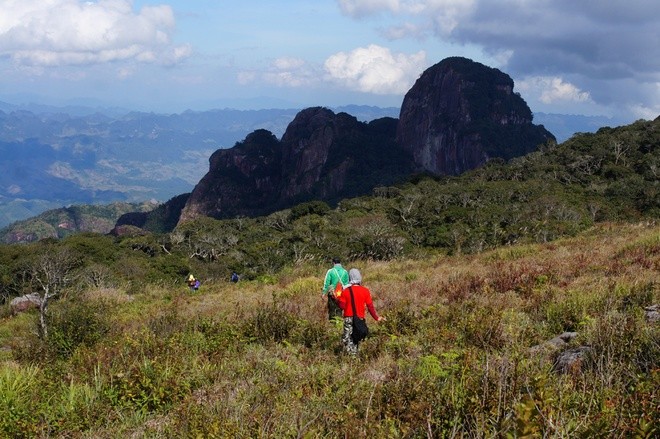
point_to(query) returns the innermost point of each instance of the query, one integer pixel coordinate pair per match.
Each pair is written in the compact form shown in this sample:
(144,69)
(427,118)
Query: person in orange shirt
(362,298)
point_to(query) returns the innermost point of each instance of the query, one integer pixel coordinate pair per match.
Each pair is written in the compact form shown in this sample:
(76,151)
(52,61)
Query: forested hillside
(65,221)
(611,175)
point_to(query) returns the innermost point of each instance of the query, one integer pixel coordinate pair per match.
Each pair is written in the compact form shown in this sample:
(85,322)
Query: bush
(311,208)
(147,386)
(269,323)
(568,315)
(17,416)
(76,323)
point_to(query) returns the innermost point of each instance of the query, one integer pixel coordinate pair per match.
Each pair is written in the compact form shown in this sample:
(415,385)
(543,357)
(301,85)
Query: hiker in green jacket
(335,275)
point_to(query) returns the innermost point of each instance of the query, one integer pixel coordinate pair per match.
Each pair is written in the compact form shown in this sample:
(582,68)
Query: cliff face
(242,180)
(307,145)
(322,155)
(460,113)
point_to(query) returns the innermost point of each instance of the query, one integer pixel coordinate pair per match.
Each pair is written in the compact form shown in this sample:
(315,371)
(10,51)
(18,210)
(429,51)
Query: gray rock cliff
(457,116)
(461,113)
(322,155)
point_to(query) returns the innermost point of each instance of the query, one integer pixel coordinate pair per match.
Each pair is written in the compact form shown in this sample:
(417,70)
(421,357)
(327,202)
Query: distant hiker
(193,283)
(355,297)
(335,279)
(234,277)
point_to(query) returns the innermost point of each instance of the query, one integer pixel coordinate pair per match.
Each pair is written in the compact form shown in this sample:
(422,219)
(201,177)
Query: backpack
(197,284)
(339,287)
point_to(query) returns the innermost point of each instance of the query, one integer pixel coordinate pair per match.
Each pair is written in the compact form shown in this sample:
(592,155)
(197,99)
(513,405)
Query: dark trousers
(333,309)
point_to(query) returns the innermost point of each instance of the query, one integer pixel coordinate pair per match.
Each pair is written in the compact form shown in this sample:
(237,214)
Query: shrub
(313,335)
(148,386)
(402,320)
(310,208)
(269,323)
(75,323)
(566,315)
(17,416)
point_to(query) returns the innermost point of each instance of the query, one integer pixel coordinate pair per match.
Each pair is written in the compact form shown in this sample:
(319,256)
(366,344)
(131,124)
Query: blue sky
(588,57)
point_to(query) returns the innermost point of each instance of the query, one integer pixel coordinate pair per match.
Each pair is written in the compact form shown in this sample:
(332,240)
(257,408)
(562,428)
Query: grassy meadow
(259,358)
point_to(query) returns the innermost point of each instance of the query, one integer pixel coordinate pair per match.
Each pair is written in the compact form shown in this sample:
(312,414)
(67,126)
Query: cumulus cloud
(375,69)
(551,90)
(74,32)
(598,44)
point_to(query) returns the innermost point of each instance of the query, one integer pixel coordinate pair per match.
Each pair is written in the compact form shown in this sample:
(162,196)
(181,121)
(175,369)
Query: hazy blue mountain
(563,126)
(58,156)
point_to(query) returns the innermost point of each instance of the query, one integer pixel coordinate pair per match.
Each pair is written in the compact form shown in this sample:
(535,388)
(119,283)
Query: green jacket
(333,276)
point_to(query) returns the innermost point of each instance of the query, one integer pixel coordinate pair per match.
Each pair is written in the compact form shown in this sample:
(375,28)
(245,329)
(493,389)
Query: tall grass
(453,358)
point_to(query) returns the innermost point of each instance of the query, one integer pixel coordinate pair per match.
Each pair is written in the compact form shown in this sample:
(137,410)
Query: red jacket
(362,297)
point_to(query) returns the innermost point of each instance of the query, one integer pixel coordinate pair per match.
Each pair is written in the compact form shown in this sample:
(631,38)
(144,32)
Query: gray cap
(354,276)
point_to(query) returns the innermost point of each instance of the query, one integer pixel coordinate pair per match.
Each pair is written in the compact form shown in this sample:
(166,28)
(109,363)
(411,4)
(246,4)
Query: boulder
(652,313)
(557,351)
(571,360)
(25,302)
(555,344)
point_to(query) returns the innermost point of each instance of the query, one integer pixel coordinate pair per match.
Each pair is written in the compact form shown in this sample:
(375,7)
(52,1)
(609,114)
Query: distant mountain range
(54,157)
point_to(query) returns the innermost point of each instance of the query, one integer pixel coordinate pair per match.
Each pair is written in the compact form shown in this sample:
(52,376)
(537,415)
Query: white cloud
(374,69)
(599,45)
(444,14)
(361,8)
(644,112)
(552,90)
(406,30)
(558,90)
(125,72)
(283,72)
(288,63)
(288,79)
(74,32)
(246,77)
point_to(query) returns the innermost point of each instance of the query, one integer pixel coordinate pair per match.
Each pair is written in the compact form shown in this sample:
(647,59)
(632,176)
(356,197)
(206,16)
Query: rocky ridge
(457,116)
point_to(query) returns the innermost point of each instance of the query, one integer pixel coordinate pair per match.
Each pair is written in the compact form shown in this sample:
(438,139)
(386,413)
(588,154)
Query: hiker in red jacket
(361,298)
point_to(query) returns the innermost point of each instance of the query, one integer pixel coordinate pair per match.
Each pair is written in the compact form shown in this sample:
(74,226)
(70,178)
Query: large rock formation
(322,155)
(460,113)
(242,180)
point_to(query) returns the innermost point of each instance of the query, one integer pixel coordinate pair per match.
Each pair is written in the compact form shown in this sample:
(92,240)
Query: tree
(52,271)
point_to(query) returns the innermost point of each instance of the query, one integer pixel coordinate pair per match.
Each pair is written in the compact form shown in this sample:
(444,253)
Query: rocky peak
(242,180)
(318,151)
(460,113)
